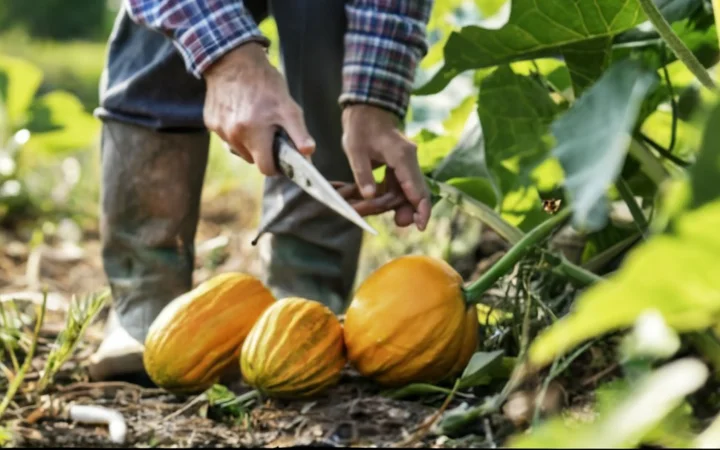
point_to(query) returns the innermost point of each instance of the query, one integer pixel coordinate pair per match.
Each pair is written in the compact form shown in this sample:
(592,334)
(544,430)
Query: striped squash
(295,349)
(198,336)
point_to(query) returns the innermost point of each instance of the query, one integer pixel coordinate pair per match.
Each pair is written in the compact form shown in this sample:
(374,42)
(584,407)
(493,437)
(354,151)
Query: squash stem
(475,291)
(582,276)
(676,44)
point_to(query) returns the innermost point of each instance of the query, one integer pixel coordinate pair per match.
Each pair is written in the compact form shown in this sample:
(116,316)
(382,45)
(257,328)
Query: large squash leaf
(593,139)
(586,61)
(534,29)
(674,273)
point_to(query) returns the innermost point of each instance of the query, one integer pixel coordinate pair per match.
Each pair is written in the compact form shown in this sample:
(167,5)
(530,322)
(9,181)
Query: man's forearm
(203,30)
(384,43)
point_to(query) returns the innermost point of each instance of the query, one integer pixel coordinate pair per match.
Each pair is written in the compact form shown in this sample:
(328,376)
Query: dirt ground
(352,414)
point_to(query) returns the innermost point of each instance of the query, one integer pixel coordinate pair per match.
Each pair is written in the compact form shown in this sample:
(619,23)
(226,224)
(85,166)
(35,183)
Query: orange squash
(295,349)
(198,336)
(409,322)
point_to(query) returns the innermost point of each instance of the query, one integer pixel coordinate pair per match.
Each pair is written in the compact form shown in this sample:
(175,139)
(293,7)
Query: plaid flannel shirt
(384,42)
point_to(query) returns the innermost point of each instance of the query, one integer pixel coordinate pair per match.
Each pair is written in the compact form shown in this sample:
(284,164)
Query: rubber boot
(151,189)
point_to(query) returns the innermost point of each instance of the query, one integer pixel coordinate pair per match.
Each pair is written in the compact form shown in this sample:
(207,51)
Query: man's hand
(371,138)
(246,100)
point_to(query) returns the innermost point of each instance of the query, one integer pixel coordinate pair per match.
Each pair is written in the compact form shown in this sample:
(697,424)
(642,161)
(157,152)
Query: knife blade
(302,172)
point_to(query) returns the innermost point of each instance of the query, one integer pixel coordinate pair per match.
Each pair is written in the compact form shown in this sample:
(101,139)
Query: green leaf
(593,139)
(478,370)
(553,69)
(21,81)
(704,173)
(586,61)
(61,124)
(534,29)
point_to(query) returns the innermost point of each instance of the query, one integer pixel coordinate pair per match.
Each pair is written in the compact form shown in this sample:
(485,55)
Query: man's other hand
(246,100)
(371,138)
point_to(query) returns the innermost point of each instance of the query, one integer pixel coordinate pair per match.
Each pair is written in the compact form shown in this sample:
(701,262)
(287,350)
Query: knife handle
(282,138)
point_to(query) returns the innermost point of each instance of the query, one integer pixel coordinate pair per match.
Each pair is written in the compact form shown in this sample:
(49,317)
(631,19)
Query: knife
(299,169)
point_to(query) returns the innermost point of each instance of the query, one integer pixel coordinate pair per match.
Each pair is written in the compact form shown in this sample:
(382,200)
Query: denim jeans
(154,156)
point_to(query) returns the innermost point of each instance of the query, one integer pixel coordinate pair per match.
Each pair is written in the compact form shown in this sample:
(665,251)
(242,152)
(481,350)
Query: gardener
(177,69)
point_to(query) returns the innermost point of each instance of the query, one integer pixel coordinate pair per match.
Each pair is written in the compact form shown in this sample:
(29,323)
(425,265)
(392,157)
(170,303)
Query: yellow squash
(198,336)
(409,322)
(295,349)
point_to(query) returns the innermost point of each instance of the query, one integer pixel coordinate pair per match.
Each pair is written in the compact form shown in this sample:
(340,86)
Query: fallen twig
(423,429)
(594,379)
(199,399)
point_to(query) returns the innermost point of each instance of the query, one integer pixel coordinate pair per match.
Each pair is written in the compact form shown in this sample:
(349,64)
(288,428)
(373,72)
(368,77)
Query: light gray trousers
(154,156)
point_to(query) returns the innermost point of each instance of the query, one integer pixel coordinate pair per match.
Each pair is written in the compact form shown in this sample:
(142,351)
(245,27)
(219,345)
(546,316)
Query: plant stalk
(476,209)
(635,210)
(475,291)
(676,44)
(20,376)
(577,273)
(652,167)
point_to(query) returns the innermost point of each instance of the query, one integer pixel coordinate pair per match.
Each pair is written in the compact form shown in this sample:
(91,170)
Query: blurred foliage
(75,67)
(43,138)
(55,19)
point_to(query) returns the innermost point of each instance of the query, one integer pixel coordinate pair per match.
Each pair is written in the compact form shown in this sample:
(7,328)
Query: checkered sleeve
(202,30)
(384,43)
